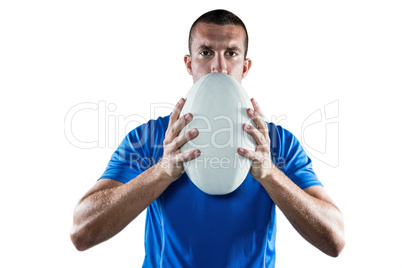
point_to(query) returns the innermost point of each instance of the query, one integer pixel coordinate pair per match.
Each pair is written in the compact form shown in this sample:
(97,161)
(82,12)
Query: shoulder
(153,124)
(155,128)
(281,137)
(143,142)
(285,147)
(279,130)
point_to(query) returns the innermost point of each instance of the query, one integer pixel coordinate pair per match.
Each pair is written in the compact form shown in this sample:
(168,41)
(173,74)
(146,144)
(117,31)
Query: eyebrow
(234,49)
(206,47)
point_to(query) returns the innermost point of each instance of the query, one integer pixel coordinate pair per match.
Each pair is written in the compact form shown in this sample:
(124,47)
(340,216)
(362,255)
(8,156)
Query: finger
(259,160)
(257,107)
(259,116)
(248,154)
(175,129)
(176,112)
(259,121)
(187,156)
(257,135)
(182,139)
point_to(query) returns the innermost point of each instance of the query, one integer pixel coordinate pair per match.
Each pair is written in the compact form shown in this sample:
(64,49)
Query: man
(186,227)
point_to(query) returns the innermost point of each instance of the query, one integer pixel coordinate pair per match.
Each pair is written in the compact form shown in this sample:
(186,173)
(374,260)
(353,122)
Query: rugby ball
(219,106)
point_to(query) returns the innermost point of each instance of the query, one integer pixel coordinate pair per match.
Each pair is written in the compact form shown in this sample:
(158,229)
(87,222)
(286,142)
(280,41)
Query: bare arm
(111,205)
(311,212)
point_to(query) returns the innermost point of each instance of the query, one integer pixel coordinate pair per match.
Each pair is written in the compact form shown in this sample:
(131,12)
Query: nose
(219,65)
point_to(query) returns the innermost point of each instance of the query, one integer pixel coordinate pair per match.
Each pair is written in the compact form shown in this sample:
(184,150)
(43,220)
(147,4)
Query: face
(217,49)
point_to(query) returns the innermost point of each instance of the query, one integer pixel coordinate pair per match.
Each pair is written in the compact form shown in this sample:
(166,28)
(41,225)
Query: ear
(246,67)
(187,62)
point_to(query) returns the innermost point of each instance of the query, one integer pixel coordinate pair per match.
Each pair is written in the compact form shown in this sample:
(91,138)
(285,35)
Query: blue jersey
(186,227)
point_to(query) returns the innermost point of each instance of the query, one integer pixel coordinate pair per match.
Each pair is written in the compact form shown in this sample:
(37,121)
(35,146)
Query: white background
(306,54)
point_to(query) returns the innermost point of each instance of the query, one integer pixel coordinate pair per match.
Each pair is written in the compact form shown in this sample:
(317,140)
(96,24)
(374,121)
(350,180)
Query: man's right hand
(171,163)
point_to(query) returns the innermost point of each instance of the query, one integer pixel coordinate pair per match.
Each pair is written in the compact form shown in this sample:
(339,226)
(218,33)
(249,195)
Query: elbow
(78,245)
(337,239)
(77,237)
(80,233)
(337,244)
(336,249)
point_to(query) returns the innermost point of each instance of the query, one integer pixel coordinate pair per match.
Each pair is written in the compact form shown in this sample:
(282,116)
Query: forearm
(103,214)
(318,221)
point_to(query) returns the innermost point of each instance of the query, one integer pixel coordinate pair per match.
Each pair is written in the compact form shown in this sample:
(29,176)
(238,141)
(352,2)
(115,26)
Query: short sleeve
(139,150)
(294,162)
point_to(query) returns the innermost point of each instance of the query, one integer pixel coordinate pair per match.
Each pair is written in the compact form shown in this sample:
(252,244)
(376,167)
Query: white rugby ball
(219,106)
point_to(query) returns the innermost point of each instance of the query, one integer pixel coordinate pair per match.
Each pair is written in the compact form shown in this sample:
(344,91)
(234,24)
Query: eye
(205,53)
(231,54)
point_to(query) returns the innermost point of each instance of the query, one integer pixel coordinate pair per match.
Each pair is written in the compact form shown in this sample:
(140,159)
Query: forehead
(216,36)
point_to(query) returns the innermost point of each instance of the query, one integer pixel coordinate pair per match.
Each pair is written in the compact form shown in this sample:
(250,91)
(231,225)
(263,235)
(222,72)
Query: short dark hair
(220,17)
